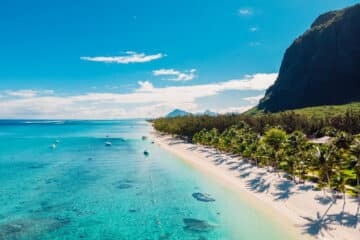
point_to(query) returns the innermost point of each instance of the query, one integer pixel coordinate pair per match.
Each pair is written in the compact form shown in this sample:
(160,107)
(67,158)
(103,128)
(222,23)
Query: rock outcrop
(321,67)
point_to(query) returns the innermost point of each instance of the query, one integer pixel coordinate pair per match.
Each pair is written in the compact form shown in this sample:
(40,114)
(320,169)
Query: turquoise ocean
(82,189)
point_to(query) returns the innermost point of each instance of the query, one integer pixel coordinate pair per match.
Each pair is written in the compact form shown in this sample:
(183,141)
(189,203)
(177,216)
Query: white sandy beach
(311,213)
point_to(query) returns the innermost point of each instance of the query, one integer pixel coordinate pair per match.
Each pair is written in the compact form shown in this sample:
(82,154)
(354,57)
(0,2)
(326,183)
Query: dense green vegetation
(281,141)
(311,124)
(318,111)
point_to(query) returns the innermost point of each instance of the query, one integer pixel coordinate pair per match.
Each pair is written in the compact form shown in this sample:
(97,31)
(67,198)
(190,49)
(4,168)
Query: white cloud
(145,101)
(28,93)
(245,11)
(177,75)
(130,57)
(145,86)
(254,99)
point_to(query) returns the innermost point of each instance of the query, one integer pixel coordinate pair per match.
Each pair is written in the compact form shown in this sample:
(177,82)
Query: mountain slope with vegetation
(321,67)
(316,111)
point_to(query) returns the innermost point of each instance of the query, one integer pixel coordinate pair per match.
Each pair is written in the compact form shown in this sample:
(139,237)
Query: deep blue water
(83,189)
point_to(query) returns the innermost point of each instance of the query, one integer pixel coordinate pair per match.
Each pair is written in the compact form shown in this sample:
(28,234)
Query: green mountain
(321,67)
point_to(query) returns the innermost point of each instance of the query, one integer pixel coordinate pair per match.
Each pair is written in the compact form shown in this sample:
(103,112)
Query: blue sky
(138,58)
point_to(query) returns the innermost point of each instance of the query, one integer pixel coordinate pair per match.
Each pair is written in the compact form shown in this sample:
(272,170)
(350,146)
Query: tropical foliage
(281,142)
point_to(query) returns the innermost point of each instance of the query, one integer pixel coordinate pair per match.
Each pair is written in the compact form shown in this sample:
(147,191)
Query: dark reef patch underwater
(196,225)
(31,228)
(203,197)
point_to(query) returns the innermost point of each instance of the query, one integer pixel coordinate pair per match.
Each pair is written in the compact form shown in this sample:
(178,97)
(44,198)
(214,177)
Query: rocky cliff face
(322,66)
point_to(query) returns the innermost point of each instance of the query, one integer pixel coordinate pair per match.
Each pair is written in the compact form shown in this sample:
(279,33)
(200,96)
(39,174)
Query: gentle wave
(32,122)
(44,122)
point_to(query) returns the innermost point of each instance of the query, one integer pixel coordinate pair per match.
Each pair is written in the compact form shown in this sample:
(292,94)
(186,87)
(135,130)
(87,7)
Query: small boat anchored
(108,143)
(53,146)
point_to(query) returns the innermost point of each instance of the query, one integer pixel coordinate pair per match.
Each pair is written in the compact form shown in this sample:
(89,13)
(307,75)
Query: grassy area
(318,111)
(328,111)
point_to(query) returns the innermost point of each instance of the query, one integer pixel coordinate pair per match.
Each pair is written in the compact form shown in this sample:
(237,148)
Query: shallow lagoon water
(83,189)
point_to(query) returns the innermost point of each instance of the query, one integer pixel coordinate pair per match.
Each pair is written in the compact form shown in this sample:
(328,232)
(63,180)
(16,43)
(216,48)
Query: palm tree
(275,139)
(355,151)
(343,140)
(199,137)
(341,175)
(296,153)
(251,141)
(324,163)
(214,137)
(308,155)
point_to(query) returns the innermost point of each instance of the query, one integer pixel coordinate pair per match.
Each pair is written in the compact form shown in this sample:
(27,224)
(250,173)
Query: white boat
(57,141)
(53,146)
(107,143)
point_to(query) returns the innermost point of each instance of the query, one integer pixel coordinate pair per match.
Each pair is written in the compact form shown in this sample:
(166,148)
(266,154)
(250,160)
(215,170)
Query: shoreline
(303,211)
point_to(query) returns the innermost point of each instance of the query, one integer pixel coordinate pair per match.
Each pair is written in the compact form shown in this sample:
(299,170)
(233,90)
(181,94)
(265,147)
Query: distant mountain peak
(182,113)
(177,113)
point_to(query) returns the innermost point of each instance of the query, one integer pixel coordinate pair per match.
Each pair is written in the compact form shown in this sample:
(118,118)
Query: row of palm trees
(334,165)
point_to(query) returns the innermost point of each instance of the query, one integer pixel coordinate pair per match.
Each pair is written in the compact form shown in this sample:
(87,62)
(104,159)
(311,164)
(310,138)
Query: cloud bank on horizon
(119,60)
(145,101)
